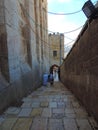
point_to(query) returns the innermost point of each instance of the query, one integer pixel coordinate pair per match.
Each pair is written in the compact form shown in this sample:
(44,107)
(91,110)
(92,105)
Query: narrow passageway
(48,108)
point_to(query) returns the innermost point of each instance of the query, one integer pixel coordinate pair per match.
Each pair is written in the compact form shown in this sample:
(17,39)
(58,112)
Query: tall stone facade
(24,51)
(56,47)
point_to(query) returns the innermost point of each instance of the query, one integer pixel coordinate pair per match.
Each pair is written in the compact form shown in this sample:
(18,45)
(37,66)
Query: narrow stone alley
(48,108)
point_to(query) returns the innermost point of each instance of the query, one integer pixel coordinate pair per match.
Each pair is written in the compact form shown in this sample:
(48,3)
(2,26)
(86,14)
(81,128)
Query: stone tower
(56,47)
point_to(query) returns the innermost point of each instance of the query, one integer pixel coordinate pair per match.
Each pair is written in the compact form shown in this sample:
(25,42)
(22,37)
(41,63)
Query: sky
(66,23)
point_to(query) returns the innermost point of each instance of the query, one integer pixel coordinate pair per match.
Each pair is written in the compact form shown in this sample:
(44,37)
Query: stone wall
(79,72)
(23,40)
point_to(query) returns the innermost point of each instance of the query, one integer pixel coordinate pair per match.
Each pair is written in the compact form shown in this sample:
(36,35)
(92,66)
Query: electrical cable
(74,30)
(31,29)
(69,43)
(63,13)
(55,13)
(49,30)
(52,31)
(43,40)
(68,38)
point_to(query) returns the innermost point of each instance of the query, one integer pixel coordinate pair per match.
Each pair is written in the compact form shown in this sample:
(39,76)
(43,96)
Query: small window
(54,53)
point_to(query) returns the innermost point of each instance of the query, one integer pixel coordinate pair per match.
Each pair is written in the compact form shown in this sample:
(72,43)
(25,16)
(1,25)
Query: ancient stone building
(56,47)
(24,51)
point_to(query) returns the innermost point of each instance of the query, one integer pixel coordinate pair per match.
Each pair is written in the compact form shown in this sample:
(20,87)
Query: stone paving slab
(25,112)
(55,124)
(58,115)
(61,104)
(70,115)
(48,108)
(53,104)
(28,99)
(75,104)
(44,104)
(46,112)
(70,124)
(39,124)
(1,119)
(70,110)
(83,124)
(8,124)
(81,113)
(12,111)
(68,104)
(35,104)
(36,112)
(23,124)
(58,110)
(26,104)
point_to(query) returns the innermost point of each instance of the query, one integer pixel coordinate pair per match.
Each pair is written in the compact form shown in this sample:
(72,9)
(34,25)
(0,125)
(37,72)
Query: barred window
(54,53)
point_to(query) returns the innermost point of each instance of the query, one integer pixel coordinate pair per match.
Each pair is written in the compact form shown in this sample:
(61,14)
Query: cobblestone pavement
(48,108)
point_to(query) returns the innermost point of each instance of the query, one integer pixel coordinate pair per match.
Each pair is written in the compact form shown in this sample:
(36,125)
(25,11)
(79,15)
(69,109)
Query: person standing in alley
(50,77)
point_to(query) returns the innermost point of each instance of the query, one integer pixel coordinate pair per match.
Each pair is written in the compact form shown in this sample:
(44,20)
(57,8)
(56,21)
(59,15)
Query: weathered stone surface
(70,115)
(68,104)
(81,113)
(26,104)
(58,115)
(80,68)
(61,104)
(83,124)
(53,104)
(36,112)
(1,119)
(55,124)
(8,124)
(58,110)
(28,100)
(23,124)
(70,124)
(25,112)
(44,104)
(39,124)
(46,112)
(75,104)
(12,111)
(1,20)
(35,104)
(70,110)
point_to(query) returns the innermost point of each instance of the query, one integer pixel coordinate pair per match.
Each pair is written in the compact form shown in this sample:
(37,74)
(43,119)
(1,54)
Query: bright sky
(65,23)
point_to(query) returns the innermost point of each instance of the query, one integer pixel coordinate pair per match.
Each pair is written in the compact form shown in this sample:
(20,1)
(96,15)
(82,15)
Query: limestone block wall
(22,45)
(79,72)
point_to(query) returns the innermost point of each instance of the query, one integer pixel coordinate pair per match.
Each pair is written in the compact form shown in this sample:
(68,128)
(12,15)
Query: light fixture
(89,9)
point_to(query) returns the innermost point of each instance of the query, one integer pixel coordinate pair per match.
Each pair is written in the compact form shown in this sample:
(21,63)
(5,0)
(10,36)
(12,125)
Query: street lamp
(88,9)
